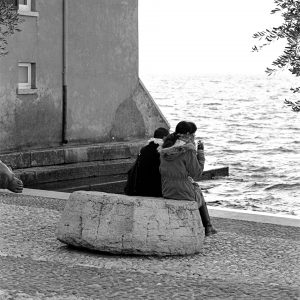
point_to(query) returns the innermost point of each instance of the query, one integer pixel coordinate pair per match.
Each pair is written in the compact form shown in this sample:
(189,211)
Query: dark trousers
(204,215)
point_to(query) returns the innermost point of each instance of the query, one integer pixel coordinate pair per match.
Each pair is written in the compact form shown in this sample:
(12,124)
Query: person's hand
(200,145)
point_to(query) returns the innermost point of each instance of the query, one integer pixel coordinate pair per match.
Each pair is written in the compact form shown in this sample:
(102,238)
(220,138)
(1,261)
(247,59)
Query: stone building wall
(105,99)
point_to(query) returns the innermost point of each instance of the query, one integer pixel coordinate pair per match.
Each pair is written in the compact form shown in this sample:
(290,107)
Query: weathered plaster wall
(103,83)
(137,116)
(33,121)
(102,67)
(106,101)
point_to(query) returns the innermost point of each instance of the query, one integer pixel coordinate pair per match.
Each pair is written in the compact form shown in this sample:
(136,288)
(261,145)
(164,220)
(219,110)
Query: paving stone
(48,280)
(246,260)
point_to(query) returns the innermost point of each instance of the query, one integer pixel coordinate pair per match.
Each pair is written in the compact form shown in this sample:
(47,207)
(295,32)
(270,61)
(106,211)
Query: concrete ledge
(254,216)
(45,194)
(72,154)
(38,175)
(217,212)
(94,175)
(121,224)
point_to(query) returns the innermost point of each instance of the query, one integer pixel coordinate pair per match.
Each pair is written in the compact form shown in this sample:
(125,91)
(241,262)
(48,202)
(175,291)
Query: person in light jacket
(181,164)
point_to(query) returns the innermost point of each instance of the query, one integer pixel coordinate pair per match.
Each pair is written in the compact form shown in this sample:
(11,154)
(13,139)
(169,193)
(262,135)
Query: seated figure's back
(149,180)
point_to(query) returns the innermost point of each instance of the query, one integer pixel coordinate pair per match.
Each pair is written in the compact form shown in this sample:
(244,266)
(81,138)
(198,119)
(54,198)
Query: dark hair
(185,127)
(193,127)
(182,127)
(160,133)
(170,140)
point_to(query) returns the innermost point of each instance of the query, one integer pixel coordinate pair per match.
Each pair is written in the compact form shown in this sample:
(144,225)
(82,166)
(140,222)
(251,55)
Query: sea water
(244,124)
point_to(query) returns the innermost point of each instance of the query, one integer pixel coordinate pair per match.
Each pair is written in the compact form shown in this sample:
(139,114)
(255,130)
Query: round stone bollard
(121,224)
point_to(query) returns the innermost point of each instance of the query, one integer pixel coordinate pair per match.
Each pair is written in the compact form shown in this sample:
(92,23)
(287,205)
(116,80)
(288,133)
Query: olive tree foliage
(9,21)
(290,31)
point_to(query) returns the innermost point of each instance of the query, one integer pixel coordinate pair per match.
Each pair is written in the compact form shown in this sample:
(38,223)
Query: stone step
(101,167)
(69,172)
(72,154)
(108,184)
(107,177)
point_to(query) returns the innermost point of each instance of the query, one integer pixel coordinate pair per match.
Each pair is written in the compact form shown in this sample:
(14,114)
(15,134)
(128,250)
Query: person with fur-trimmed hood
(181,163)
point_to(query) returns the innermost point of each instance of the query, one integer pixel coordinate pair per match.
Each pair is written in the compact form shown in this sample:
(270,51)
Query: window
(26,76)
(25,5)
(26,8)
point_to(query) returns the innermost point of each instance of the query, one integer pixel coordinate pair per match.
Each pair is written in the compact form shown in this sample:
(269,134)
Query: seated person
(8,180)
(182,162)
(144,177)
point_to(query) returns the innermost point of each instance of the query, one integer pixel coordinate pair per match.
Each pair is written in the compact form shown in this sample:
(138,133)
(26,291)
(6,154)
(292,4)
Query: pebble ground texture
(245,260)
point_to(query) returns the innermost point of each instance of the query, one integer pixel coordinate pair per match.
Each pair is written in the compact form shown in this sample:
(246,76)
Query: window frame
(25,7)
(25,85)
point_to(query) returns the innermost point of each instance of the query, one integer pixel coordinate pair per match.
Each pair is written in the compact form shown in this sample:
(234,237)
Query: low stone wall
(123,224)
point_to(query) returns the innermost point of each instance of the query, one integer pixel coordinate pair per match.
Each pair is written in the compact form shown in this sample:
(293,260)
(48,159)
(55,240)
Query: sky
(204,36)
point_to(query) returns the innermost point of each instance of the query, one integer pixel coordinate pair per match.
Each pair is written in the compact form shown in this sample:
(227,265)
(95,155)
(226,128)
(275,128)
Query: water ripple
(283,186)
(244,124)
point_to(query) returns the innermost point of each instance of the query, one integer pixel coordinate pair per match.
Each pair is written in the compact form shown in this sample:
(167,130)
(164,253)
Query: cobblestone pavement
(246,260)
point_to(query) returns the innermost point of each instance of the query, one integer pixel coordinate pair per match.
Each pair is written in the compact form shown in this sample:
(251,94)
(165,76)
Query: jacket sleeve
(201,158)
(195,164)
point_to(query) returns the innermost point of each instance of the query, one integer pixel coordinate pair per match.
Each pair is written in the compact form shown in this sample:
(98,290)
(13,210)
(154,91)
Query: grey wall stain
(128,122)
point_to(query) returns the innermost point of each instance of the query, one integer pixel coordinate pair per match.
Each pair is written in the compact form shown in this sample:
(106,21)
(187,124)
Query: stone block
(75,155)
(123,224)
(47,157)
(16,160)
(109,152)
(136,147)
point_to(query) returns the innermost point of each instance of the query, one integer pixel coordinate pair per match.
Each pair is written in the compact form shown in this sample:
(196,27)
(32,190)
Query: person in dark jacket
(143,178)
(181,165)
(149,180)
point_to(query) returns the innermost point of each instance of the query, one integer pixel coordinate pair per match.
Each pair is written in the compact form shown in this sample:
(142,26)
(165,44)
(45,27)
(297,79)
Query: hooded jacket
(180,165)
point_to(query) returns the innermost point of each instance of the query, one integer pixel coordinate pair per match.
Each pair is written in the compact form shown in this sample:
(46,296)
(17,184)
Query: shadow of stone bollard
(123,224)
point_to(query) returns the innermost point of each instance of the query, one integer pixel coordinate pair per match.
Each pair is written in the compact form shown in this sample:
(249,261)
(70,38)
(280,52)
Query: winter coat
(180,165)
(149,181)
